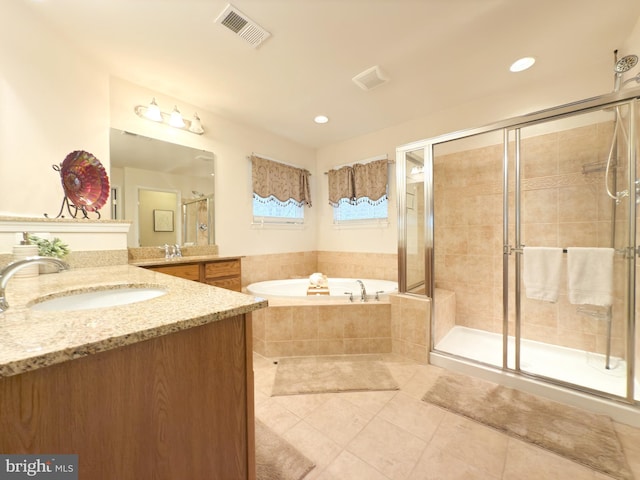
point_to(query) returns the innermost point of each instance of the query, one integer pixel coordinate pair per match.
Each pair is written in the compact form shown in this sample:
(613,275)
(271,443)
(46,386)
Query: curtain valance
(357,181)
(284,183)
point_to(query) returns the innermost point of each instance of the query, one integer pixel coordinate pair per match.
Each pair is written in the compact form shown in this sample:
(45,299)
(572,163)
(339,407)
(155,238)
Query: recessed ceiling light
(321,119)
(522,64)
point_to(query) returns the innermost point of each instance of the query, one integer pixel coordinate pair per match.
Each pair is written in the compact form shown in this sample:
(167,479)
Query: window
(279,191)
(362,209)
(359,192)
(273,211)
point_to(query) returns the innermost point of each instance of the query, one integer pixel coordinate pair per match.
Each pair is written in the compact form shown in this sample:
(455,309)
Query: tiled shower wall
(562,207)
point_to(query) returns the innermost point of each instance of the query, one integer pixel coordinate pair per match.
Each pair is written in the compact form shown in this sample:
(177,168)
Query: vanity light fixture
(174,119)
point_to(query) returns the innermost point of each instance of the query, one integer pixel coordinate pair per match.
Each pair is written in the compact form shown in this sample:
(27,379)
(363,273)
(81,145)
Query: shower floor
(565,364)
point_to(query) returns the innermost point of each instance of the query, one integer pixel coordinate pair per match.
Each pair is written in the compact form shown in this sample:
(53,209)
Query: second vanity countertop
(31,339)
(160,261)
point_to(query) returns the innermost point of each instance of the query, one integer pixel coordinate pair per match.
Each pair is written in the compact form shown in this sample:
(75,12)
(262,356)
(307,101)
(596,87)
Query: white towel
(542,270)
(590,276)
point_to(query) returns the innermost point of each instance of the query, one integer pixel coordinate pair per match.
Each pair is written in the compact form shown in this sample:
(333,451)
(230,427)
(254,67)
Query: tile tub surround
(410,326)
(276,266)
(293,328)
(33,339)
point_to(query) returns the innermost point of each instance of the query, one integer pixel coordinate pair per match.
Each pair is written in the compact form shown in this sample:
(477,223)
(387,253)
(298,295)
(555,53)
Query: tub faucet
(363,291)
(7,272)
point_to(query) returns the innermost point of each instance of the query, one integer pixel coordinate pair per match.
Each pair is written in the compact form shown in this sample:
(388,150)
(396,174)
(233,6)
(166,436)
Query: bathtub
(297,289)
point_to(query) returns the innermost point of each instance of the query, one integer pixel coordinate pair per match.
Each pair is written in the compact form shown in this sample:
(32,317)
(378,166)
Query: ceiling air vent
(241,25)
(370,78)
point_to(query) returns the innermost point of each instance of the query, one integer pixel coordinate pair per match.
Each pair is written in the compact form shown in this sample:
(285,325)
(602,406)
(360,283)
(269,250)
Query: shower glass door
(571,189)
(559,179)
(467,229)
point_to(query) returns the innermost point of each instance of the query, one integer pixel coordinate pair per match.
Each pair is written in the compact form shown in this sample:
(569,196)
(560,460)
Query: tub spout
(363,291)
(8,272)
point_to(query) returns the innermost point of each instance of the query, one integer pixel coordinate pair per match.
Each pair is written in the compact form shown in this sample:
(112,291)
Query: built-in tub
(297,324)
(339,289)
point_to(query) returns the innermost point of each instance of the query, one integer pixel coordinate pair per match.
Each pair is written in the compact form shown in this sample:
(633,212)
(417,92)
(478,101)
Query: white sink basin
(109,297)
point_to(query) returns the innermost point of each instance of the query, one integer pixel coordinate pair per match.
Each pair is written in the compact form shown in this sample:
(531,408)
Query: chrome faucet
(7,272)
(363,291)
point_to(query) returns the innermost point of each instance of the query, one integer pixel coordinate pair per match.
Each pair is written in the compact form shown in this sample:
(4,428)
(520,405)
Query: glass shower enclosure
(490,217)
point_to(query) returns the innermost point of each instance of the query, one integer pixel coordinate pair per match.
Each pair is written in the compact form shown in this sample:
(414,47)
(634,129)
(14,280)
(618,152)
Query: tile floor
(394,435)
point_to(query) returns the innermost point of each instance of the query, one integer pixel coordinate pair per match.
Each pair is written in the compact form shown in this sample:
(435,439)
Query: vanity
(160,388)
(223,272)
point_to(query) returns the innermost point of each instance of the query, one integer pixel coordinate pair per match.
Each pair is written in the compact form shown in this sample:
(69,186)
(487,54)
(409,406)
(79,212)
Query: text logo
(49,467)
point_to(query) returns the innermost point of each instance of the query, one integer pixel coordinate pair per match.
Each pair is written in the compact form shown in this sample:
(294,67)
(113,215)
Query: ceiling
(436,53)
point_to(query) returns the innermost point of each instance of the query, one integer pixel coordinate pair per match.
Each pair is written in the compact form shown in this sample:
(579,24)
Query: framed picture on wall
(163,220)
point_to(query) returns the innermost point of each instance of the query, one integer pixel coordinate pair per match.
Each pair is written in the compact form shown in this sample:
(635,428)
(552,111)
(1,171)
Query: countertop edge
(48,359)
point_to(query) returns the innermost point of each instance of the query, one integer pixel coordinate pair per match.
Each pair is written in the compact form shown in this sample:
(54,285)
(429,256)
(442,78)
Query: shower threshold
(568,365)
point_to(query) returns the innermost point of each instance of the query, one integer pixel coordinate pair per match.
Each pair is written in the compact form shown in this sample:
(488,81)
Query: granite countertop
(161,261)
(31,339)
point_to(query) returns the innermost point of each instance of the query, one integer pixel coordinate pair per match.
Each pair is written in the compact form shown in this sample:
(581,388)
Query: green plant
(50,248)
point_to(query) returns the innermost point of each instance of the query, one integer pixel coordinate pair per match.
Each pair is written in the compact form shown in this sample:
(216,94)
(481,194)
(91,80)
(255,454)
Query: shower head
(625,64)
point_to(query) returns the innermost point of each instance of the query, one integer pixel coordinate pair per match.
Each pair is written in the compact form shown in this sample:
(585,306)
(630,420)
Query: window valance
(358,181)
(284,183)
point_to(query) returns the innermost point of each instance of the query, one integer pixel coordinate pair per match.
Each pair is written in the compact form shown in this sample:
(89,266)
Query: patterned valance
(283,183)
(358,181)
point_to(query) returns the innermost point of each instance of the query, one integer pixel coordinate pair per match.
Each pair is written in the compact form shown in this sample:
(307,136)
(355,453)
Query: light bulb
(176,118)
(153,112)
(196,125)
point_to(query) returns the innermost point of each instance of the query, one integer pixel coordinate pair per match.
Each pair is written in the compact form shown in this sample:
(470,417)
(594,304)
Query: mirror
(165,189)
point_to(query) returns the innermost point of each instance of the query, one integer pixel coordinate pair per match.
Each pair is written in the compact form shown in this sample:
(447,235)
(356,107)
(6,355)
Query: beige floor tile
(314,445)
(349,467)
(388,448)
(417,417)
(528,462)
(402,372)
(434,464)
(423,379)
(473,443)
(302,405)
(259,397)
(371,401)
(339,419)
(275,416)
(375,435)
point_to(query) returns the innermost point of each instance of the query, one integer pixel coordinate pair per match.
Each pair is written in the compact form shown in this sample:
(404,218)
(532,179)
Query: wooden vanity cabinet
(223,273)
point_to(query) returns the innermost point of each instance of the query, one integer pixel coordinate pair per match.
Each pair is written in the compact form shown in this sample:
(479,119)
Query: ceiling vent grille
(243,26)
(370,78)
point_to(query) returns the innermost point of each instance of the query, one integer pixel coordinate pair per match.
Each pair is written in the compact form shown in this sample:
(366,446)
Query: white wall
(474,114)
(231,143)
(53,101)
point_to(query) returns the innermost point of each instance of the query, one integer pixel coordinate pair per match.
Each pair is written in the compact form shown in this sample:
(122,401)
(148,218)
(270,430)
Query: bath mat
(340,373)
(277,459)
(586,438)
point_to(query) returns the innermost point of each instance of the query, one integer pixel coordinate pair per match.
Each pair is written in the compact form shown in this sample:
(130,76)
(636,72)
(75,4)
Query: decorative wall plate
(84,180)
